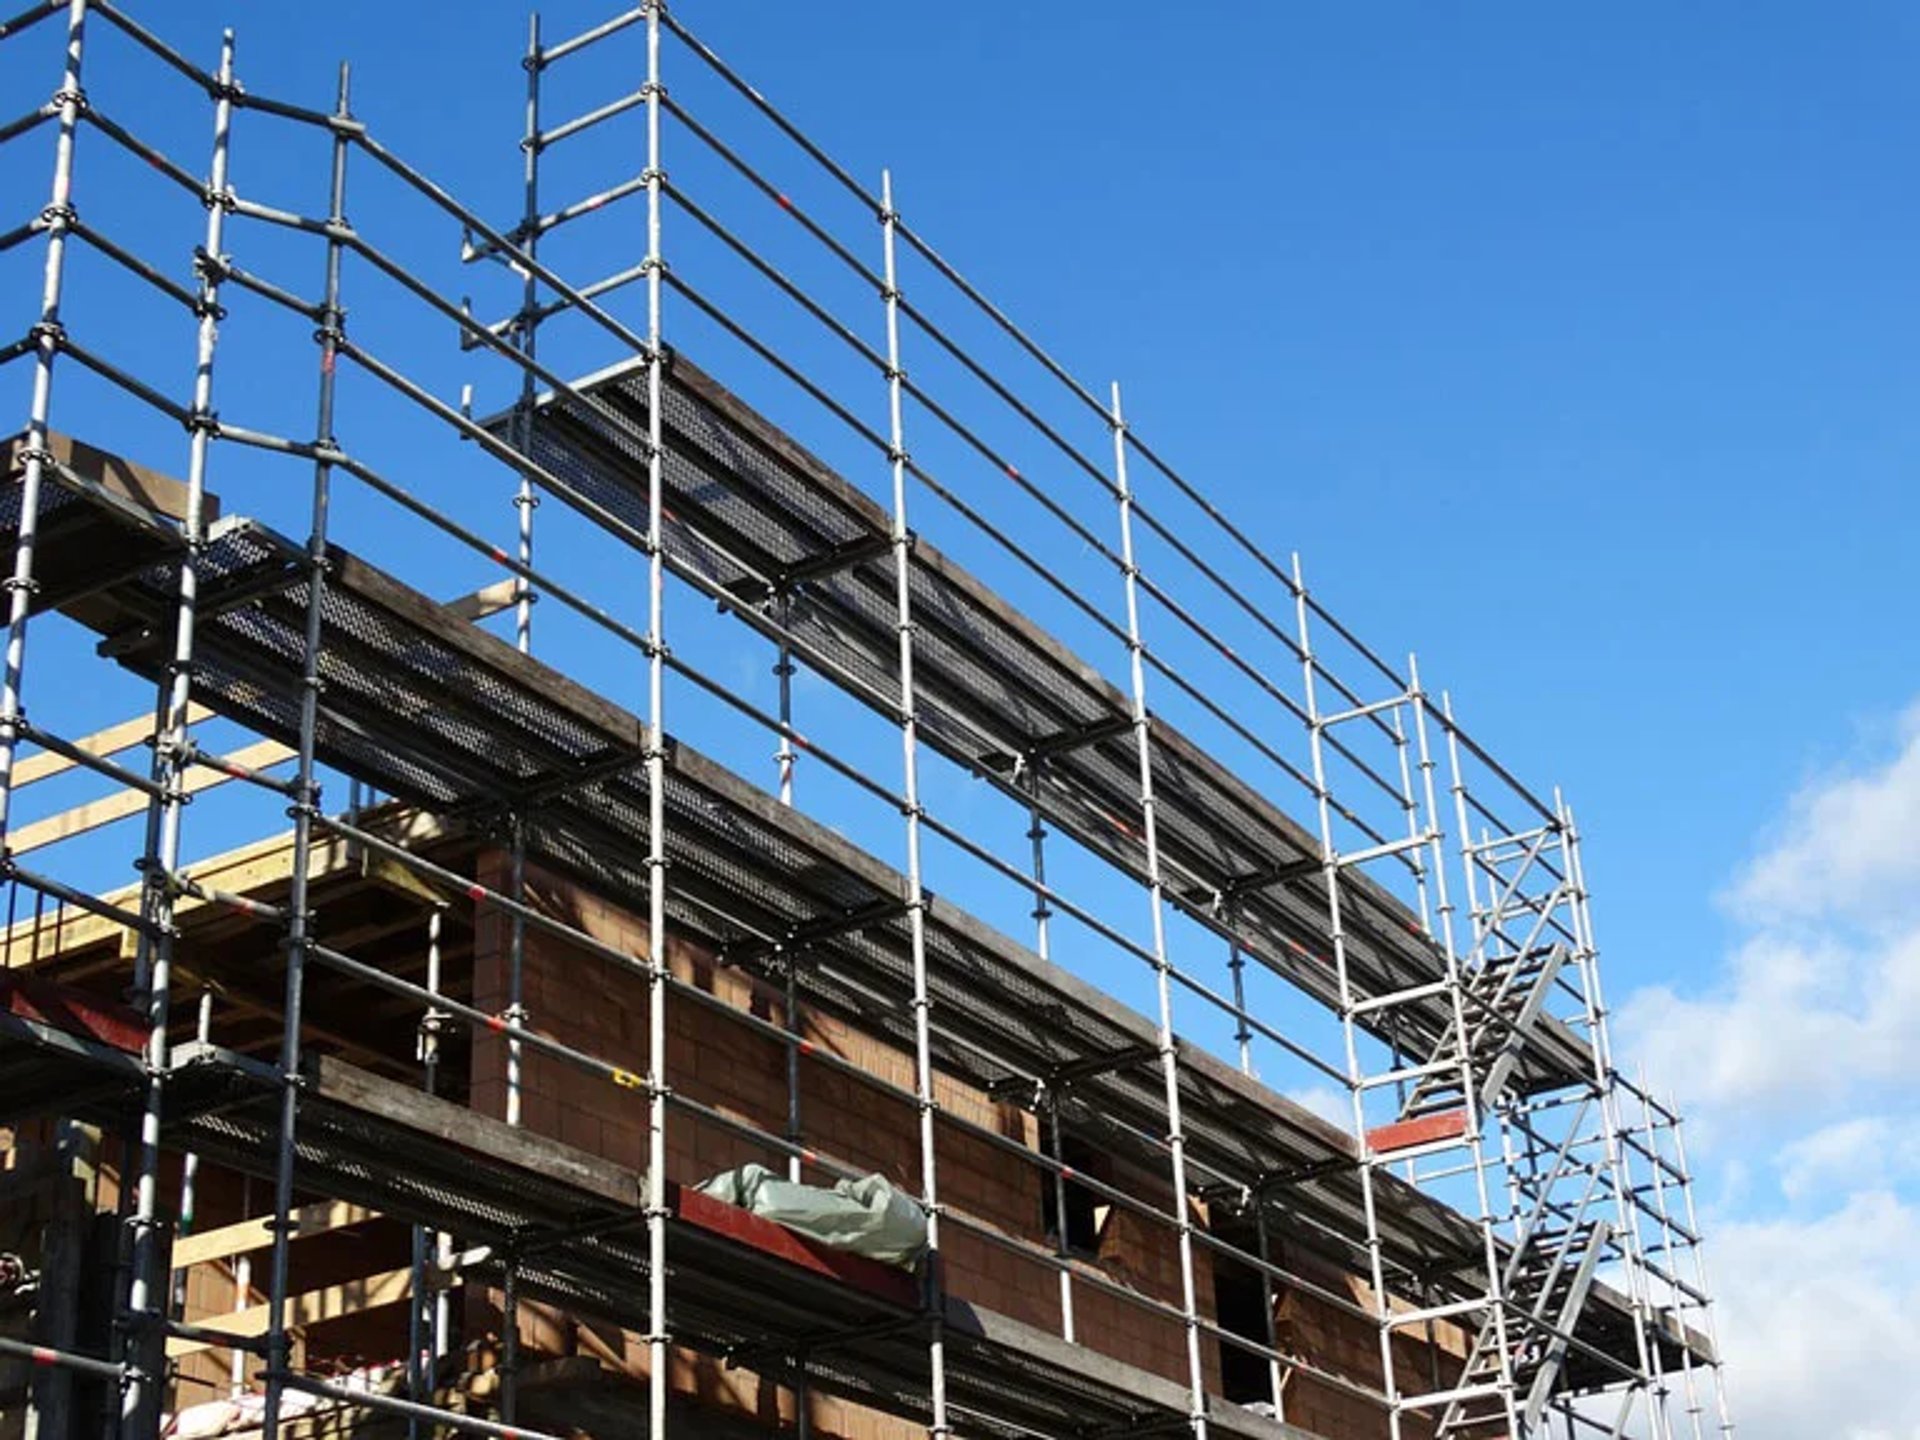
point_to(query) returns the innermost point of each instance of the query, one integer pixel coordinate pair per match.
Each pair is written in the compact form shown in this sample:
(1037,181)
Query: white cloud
(1799,1066)
(1867,1152)
(1817,1319)
(1821,998)
(1848,847)
(1800,1023)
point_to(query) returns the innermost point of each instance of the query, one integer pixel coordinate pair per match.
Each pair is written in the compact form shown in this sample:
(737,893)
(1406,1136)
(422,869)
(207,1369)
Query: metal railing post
(306,804)
(902,546)
(1618,1162)
(1156,889)
(426,1307)
(1708,1309)
(154,955)
(1337,938)
(658,1336)
(47,335)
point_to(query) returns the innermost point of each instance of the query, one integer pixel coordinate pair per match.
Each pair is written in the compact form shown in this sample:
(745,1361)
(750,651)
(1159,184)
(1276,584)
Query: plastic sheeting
(868,1216)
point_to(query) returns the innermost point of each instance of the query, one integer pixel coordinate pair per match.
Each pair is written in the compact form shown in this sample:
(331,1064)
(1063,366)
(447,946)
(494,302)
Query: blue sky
(1573,350)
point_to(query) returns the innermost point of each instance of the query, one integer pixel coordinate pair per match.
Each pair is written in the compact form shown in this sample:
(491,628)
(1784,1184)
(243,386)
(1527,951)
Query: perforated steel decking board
(578,1223)
(748,505)
(424,706)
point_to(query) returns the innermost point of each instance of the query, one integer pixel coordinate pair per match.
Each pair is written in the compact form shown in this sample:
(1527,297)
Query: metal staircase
(1546,1280)
(1546,1285)
(1502,1001)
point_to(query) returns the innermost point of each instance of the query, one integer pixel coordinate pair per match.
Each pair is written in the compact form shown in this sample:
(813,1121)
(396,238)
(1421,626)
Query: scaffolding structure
(1143,698)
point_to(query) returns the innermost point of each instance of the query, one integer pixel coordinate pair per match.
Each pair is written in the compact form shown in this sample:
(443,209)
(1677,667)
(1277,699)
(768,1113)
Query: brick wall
(1348,1346)
(601,1008)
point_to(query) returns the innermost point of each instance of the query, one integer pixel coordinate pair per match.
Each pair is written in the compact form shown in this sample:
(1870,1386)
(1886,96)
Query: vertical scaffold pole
(1495,1330)
(1442,900)
(306,806)
(1042,912)
(1457,786)
(1443,908)
(190,1167)
(1663,1213)
(154,958)
(1411,806)
(516,1016)
(783,754)
(902,539)
(426,1319)
(1053,1097)
(1243,1040)
(1443,911)
(1237,970)
(1337,938)
(524,502)
(528,322)
(1700,1277)
(1619,1163)
(1156,891)
(71,103)
(242,1294)
(1276,1372)
(783,759)
(1062,1236)
(1434,846)
(657,1333)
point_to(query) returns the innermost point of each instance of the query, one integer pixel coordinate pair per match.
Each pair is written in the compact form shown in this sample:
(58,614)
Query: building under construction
(627,813)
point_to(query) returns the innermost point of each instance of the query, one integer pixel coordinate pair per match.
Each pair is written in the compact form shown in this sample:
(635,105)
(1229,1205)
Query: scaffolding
(1143,699)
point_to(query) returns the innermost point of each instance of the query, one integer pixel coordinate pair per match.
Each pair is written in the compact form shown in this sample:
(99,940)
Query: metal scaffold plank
(432,710)
(995,692)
